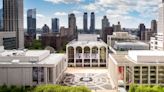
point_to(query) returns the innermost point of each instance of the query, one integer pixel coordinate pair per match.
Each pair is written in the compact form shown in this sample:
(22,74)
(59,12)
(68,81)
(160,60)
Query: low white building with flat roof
(123,41)
(85,52)
(30,67)
(139,67)
(125,46)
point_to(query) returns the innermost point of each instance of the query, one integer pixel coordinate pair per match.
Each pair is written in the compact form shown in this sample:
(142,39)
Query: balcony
(86,56)
(136,74)
(95,56)
(94,61)
(79,56)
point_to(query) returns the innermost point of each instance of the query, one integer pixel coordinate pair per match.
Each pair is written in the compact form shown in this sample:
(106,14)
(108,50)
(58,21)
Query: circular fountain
(86,79)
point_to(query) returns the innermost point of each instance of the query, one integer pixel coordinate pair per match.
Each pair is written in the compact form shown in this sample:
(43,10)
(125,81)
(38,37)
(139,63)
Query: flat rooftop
(28,57)
(87,43)
(88,37)
(138,57)
(26,53)
(146,56)
(135,43)
(53,59)
(120,59)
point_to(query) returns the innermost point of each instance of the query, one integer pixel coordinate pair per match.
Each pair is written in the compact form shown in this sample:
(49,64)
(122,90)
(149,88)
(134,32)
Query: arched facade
(88,56)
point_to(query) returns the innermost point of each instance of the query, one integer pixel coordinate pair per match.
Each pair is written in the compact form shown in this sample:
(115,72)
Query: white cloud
(124,10)
(63,1)
(40,15)
(91,7)
(76,12)
(60,14)
(116,10)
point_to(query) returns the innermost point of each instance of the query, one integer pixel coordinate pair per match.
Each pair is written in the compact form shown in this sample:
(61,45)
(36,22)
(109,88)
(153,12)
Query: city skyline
(125,11)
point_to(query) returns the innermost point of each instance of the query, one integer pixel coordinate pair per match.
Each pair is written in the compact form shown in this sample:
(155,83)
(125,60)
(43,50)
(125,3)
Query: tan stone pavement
(90,70)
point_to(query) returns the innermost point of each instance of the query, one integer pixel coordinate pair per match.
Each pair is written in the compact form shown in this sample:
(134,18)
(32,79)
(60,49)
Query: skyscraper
(92,26)
(31,22)
(161,19)
(1,19)
(85,22)
(72,24)
(141,31)
(13,36)
(55,25)
(154,26)
(105,24)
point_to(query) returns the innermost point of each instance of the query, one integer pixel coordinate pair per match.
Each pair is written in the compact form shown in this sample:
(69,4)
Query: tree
(132,88)
(58,88)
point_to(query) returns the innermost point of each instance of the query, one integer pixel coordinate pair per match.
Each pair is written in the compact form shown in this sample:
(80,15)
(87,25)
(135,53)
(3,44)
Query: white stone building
(139,67)
(123,41)
(120,37)
(87,51)
(30,67)
(157,42)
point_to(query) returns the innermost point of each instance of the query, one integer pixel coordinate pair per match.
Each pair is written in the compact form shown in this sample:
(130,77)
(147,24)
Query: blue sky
(129,12)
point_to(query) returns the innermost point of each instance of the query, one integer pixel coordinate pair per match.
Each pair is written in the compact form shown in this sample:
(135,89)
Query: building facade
(120,37)
(55,25)
(45,29)
(1,19)
(139,67)
(87,52)
(85,22)
(31,22)
(154,26)
(72,25)
(141,32)
(105,24)
(107,31)
(12,24)
(117,28)
(157,42)
(30,68)
(92,26)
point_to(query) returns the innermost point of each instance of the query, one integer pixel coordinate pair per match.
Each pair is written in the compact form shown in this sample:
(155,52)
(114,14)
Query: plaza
(93,78)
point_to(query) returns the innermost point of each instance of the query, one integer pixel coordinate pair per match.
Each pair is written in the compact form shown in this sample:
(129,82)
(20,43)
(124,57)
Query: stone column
(107,57)
(45,75)
(140,74)
(75,56)
(98,57)
(148,74)
(90,56)
(157,69)
(124,68)
(132,74)
(82,57)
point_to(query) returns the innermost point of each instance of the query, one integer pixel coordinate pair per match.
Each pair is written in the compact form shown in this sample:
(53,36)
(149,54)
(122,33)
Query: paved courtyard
(95,79)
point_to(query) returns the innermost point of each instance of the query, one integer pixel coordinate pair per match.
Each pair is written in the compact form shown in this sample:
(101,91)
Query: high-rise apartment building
(154,26)
(105,24)
(1,19)
(85,22)
(141,31)
(31,22)
(55,25)
(72,24)
(13,35)
(92,26)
